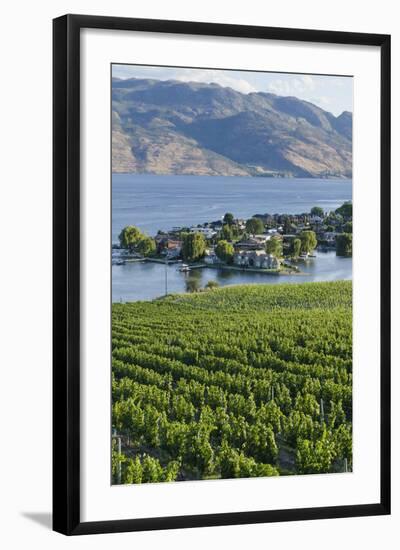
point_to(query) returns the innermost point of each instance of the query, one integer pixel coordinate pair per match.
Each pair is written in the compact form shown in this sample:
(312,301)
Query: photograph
(231,261)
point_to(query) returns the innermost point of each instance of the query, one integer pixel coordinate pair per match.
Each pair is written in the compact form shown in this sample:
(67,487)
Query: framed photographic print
(221,274)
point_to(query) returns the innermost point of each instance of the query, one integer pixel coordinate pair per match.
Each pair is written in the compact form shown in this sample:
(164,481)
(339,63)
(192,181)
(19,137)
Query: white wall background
(25,290)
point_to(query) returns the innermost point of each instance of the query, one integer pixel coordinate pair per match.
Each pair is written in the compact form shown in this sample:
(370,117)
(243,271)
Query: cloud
(207,76)
(223,78)
(303,84)
(329,92)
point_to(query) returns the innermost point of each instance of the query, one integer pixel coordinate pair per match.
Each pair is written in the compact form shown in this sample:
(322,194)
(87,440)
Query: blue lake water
(162,202)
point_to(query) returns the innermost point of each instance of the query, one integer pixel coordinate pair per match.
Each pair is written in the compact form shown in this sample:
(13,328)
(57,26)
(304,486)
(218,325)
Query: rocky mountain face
(173,127)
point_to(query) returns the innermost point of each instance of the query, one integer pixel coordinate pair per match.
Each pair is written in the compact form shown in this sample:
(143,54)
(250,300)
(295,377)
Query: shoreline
(277,272)
(184,295)
(202,265)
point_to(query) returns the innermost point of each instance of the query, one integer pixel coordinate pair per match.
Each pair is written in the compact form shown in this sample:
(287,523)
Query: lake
(162,202)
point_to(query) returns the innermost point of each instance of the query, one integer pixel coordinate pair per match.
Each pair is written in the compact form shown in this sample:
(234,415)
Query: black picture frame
(66,273)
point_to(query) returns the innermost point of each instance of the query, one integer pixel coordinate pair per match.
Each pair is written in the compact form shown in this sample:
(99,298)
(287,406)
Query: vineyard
(245,381)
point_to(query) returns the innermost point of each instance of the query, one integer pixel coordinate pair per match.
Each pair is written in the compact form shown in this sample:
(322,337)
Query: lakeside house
(210,258)
(329,237)
(255,258)
(171,248)
(261,239)
(254,242)
(207,232)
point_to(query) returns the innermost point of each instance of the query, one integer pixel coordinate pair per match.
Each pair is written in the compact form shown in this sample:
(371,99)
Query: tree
(254,226)
(211,285)
(348,227)
(346,210)
(226,232)
(193,246)
(274,246)
(317,211)
(224,251)
(229,219)
(308,241)
(296,248)
(192,284)
(146,246)
(344,244)
(129,236)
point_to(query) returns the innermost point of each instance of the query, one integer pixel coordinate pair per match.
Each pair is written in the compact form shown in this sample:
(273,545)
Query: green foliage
(146,246)
(193,246)
(313,457)
(274,246)
(346,210)
(254,226)
(317,211)
(134,471)
(224,251)
(348,227)
(129,236)
(229,219)
(308,241)
(226,232)
(344,244)
(296,248)
(132,238)
(210,285)
(226,384)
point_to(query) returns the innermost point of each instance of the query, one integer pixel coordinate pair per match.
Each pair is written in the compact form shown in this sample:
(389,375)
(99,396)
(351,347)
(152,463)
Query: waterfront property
(210,258)
(256,258)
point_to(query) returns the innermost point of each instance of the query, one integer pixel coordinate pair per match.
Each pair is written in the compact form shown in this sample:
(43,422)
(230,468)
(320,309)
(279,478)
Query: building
(255,258)
(207,232)
(171,248)
(262,239)
(250,244)
(329,237)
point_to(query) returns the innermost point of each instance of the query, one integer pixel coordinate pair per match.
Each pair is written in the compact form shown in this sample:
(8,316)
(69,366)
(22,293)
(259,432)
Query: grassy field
(246,381)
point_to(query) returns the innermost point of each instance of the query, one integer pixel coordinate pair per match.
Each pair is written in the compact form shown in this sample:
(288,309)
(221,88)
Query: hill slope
(171,127)
(229,383)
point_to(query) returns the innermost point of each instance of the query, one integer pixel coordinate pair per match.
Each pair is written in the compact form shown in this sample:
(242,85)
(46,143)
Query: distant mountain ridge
(174,127)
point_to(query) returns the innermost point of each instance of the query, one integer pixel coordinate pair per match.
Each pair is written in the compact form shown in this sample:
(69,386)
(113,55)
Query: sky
(331,93)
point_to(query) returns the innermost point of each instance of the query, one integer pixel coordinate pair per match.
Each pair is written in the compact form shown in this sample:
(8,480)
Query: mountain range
(174,127)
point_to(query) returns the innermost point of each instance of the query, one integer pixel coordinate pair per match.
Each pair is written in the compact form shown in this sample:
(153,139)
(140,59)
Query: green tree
(224,251)
(274,246)
(317,211)
(346,210)
(192,284)
(348,227)
(193,246)
(129,237)
(308,241)
(254,226)
(226,232)
(229,219)
(344,244)
(146,246)
(296,248)
(211,285)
